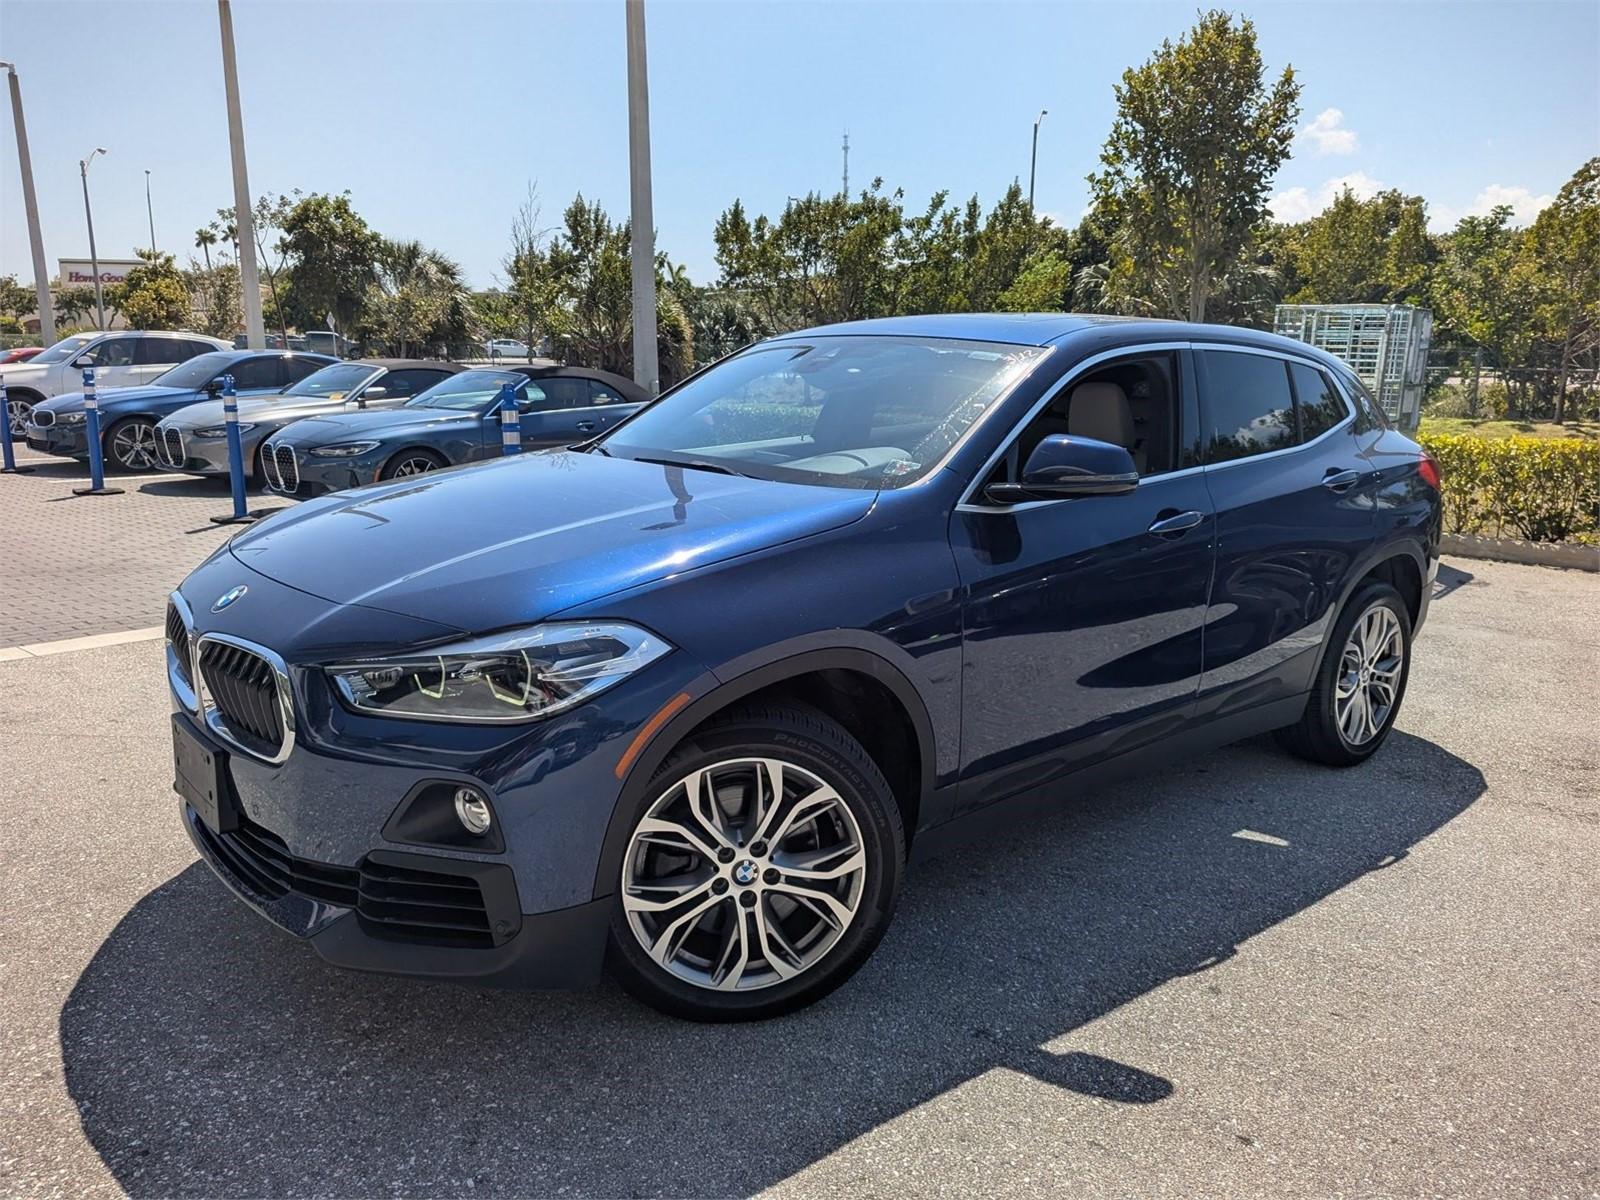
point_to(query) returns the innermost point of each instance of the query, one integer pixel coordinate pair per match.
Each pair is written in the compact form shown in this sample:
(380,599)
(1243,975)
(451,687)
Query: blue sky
(436,116)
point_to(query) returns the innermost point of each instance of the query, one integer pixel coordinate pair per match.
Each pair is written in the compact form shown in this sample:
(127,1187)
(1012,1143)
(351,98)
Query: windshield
(198,370)
(332,382)
(852,411)
(64,351)
(468,390)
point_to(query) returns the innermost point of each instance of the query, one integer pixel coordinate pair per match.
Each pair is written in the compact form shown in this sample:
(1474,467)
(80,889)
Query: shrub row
(1540,490)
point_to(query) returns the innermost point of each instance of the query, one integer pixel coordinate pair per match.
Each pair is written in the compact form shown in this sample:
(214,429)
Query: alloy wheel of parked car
(760,873)
(415,463)
(131,445)
(17,413)
(1360,684)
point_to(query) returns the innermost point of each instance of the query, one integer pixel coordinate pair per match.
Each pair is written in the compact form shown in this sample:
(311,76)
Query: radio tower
(847,164)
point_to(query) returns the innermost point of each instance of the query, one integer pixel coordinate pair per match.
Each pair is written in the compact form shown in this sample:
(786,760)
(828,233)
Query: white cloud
(1328,134)
(1300,204)
(1525,206)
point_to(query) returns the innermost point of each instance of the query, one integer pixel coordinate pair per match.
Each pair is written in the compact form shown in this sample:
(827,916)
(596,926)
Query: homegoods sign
(79,272)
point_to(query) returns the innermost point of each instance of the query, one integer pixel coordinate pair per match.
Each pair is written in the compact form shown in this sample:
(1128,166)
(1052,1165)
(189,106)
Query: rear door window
(601,393)
(564,392)
(1320,405)
(121,352)
(1249,407)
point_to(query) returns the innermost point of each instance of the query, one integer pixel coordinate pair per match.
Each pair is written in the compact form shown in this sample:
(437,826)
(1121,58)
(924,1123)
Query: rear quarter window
(1320,404)
(1249,407)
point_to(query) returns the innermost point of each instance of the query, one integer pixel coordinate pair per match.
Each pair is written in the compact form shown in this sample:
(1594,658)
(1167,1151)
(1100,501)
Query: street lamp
(94,256)
(30,203)
(1033,162)
(149,212)
(645,367)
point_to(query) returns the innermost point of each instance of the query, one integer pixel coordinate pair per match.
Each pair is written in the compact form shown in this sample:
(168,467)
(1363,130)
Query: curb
(1539,554)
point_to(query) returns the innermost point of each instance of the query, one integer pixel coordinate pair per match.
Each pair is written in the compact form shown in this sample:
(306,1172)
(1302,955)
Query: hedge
(1539,490)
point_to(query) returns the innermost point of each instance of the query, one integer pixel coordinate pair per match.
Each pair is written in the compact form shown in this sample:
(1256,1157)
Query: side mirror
(83,362)
(372,393)
(214,388)
(1062,466)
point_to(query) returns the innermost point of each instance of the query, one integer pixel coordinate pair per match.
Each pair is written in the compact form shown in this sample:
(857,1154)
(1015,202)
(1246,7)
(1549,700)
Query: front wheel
(19,407)
(1360,684)
(412,462)
(761,870)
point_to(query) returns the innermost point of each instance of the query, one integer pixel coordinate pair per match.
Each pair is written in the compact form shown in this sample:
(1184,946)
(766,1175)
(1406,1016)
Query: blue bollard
(510,420)
(230,413)
(97,466)
(6,453)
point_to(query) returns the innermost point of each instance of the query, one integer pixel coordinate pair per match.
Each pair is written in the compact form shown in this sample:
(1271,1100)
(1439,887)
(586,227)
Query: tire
(409,462)
(1360,653)
(788,952)
(19,404)
(130,445)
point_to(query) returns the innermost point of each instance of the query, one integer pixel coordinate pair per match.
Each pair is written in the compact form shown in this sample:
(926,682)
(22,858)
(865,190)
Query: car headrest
(1101,411)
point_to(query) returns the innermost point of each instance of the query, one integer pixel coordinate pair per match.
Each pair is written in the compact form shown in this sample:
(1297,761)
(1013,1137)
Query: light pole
(249,281)
(646,371)
(1033,162)
(94,255)
(30,203)
(149,212)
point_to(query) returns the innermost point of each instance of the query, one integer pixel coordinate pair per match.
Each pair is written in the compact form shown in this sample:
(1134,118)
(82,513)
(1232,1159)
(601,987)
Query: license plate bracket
(200,776)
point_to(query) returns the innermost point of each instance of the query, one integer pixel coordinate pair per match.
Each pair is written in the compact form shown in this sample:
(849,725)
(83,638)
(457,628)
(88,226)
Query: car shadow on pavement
(208,1054)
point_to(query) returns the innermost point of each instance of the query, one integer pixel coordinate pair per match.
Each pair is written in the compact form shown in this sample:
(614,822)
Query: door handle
(1176,524)
(585,426)
(1336,480)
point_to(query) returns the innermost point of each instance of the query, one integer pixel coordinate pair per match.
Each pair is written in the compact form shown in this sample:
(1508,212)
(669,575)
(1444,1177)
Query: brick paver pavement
(72,566)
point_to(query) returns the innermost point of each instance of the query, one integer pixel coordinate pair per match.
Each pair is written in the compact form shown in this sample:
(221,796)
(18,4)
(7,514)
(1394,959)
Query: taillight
(1428,468)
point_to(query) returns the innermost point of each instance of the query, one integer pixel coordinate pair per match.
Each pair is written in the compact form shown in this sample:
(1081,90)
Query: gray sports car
(195,439)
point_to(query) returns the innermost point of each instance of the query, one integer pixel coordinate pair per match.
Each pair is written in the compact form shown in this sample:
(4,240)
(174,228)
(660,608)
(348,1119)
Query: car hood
(255,410)
(512,541)
(318,431)
(73,401)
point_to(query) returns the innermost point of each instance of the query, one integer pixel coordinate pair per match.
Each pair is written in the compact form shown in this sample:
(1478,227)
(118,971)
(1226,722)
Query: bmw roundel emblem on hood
(228,597)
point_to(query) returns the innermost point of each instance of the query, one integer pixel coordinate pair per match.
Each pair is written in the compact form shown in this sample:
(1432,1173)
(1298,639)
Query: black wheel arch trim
(838,649)
(443,460)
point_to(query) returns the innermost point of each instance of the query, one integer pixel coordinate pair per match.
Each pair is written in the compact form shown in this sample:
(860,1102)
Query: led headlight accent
(518,676)
(343,450)
(72,418)
(216,431)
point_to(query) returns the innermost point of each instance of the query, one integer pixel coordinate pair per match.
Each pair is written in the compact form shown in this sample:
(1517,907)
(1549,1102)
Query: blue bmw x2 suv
(683,700)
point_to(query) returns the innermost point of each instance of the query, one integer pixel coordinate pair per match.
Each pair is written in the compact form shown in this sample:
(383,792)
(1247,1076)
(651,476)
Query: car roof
(392,364)
(541,371)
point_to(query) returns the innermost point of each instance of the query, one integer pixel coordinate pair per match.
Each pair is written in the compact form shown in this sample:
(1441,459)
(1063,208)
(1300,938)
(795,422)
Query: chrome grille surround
(217,719)
(269,467)
(288,468)
(181,672)
(42,417)
(169,447)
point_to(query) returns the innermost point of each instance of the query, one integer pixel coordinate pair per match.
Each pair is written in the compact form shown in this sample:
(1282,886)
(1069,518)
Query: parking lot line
(92,642)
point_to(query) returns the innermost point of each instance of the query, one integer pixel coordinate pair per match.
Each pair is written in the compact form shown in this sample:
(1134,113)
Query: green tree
(418,300)
(1562,252)
(153,296)
(1356,251)
(73,304)
(1483,299)
(1189,161)
(217,298)
(15,300)
(331,257)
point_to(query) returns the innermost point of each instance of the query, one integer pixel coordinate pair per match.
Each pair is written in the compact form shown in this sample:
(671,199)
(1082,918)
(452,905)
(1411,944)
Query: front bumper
(69,441)
(181,450)
(311,475)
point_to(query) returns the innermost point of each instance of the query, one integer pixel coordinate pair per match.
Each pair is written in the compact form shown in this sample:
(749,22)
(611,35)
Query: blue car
(128,415)
(687,700)
(456,421)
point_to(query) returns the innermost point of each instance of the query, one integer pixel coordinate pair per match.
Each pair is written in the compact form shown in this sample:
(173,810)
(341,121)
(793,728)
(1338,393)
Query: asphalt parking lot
(1248,976)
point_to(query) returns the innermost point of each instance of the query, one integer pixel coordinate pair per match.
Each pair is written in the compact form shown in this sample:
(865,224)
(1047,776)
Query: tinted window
(193,348)
(410,382)
(197,371)
(116,352)
(1321,406)
(564,393)
(296,369)
(1249,407)
(156,351)
(600,393)
(1368,415)
(468,391)
(257,373)
(336,380)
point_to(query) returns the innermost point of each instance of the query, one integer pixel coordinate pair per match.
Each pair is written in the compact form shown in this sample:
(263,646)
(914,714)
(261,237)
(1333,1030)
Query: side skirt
(1049,796)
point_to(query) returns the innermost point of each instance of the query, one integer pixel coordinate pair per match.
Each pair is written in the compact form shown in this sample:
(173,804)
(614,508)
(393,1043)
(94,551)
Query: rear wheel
(761,869)
(130,445)
(1360,684)
(413,462)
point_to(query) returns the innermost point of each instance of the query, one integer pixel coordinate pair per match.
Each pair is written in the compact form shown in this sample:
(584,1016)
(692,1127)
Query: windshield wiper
(694,464)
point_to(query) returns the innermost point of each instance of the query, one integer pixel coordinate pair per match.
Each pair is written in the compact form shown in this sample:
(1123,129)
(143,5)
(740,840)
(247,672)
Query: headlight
(216,431)
(344,449)
(71,418)
(517,676)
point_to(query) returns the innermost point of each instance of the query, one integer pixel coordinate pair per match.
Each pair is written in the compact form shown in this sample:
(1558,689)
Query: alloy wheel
(744,874)
(414,466)
(133,445)
(1369,675)
(17,413)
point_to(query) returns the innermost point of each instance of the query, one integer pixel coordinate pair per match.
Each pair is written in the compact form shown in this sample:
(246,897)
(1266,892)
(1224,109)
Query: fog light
(472,810)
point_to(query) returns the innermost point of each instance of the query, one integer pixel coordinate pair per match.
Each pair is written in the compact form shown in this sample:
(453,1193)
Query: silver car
(195,439)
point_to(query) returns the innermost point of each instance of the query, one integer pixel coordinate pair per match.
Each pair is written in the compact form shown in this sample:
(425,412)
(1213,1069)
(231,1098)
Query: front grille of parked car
(279,466)
(178,638)
(42,417)
(170,446)
(242,688)
(392,902)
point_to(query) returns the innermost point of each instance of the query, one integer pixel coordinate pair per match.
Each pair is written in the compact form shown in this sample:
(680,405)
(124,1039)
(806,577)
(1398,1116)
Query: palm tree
(205,237)
(418,299)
